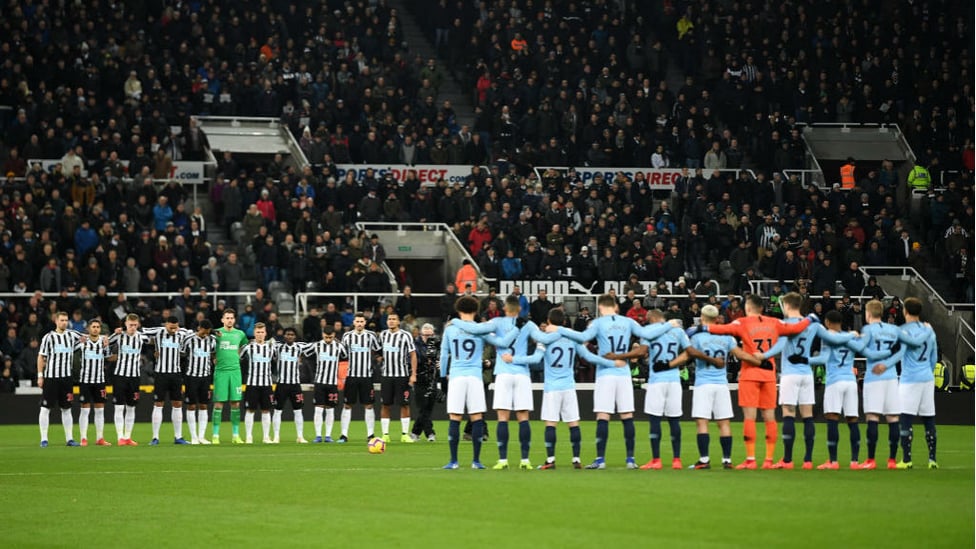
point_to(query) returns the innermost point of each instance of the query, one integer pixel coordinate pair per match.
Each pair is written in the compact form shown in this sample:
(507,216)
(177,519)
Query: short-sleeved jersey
(58,349)
(287,358)
(715,346)
(361,346)
(93,354)
(880,338)
(918,363)
(613,333)
(559,358)
(128,349)
(397,348)
(665,348)
(758,334)
(259,357)
(462,351)
(327,357)
(199,353)
(229,343)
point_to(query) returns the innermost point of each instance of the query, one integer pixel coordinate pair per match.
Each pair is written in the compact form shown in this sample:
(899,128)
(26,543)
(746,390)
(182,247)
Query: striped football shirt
(167,348)
(327,357)
(259,357)
(93,354)
(361,346)
(128,348)
(397,347)
(199,353)
(59,350)
(288,356)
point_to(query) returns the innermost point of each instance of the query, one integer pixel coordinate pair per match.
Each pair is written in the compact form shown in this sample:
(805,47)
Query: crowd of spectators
(111,91)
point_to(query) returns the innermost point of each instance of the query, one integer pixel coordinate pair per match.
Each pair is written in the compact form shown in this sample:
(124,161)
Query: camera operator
(425,389)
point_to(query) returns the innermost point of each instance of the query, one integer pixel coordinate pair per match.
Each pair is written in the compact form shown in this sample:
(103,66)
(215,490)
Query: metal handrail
(911,272)
(214,295)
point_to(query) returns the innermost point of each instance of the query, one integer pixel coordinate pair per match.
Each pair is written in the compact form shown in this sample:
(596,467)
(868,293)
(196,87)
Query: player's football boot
(631,464)
(500,465)
(206,442)
(655,464)
(343,439)
(747,464)
(328,439)
(904,465)
(72,443)
(781,465)
(386,438)
(451,465)
(577,465)
(301,440)
(237,440)
(102,442)
(249,440)
(477,465)
(548,465)
(275,440)
(194,442)
(768,464)
(598,463)
(154,442)
(933,464)
(215,440)
(84,442)
(727,465)
(317,440)
(676,463)
(181,441)
(701,465)
(892,464)
(829,466)
(267,440)
(855,465)
(432,438)
(407,439)
(869,464)
(807,465)
(43,444)
(414,438)
(525,465)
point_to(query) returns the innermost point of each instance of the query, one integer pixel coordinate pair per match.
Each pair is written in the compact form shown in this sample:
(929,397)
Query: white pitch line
(205,472)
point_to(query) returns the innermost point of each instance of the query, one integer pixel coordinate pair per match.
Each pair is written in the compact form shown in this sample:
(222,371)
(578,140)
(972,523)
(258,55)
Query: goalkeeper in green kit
(227,375)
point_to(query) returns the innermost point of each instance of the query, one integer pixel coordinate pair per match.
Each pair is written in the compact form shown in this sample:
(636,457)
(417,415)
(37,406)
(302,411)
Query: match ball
(376,446)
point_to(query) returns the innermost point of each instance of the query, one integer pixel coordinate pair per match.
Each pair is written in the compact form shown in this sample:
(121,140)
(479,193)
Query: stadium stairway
(217,236)
(418,43)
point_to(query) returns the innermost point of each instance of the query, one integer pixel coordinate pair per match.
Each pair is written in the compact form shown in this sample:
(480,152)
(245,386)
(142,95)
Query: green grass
(318,495)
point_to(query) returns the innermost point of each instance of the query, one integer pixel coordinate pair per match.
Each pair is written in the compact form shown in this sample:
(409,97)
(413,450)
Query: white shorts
(881,397)
(613,395)
(917,399)
(841,398)
(712,401)
(663,399)
(795,389)
(467,392)
(560,406)
(513,392)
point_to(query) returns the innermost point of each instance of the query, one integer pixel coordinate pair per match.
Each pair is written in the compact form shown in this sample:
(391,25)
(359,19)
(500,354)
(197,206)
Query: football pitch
(339,495)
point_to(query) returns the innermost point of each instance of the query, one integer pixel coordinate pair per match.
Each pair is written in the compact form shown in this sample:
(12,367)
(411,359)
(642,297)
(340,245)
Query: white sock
(405,425)
(120,422)
(299,424)
(370,422)
(248,425)
(202,418)
(276,423)
(99,423)
(345,419)
(384,425)
(44,421)
(83,423)
(177,416)
(191,421)
(266,424)
(329,421)
(130,420)
(157,420)
(68,422)
(317,420)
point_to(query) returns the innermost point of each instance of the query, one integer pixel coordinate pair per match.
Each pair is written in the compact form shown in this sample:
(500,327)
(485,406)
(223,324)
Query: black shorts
(125,390)
(358,390)
(395,390)
(91,393)
(198,390)
(288,392)
(257,397)
(168,386)
(326,395)
(58,390)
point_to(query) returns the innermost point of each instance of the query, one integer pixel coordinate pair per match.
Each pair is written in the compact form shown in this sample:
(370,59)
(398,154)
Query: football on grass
(376,446)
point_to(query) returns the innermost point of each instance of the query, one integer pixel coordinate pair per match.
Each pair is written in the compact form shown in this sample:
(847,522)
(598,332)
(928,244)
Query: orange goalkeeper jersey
(758,334)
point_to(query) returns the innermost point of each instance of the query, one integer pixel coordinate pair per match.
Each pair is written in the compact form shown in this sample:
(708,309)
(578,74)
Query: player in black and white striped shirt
(54,363)
(199,349)
(288,357)
(259,354)
(361,344)
(168,376)
(127,348)
(94,348)
(327,352)
(399,375)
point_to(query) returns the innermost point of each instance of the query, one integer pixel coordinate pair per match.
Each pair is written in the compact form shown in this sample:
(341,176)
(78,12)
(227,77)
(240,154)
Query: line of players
(193,359)
(710,345)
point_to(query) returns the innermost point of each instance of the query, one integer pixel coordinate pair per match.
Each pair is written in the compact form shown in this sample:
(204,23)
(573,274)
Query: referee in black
(54,360)
(361,344)
(399,375)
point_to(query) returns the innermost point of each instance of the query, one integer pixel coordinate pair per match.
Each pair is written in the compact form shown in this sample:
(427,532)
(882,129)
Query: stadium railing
(214,296)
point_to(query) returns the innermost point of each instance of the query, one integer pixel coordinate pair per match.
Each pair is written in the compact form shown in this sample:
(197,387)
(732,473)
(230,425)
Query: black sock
(575,437)
(602,432)
(930,439)
(832,436)
(501,433)
(453,436)
(477,430)
(872,438)
(655,436)
(703,441)
(906,434)
(894,433)
(675,425)
(551,442)
(855,440)
(789,432)
(525,438)
(809,433)
(726,443)
(629,436)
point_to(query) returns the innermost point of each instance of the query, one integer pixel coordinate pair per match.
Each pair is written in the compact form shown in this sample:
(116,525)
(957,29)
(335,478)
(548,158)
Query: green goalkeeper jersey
(229,343)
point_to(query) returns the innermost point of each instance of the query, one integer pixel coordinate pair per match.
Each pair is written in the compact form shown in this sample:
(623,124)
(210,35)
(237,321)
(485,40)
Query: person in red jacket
(266,206)
(478,237)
